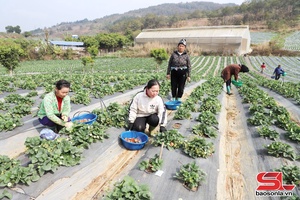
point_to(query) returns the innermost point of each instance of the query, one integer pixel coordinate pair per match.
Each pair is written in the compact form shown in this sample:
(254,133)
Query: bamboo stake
(161,150)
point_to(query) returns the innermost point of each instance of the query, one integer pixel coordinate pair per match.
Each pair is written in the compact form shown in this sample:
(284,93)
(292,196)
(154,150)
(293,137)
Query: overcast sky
(33,14)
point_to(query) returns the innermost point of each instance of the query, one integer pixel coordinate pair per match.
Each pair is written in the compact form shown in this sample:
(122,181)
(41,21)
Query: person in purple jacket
(277,72)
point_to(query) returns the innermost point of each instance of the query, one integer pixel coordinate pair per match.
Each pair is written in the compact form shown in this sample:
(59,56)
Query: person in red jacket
(233,69)
(263,67)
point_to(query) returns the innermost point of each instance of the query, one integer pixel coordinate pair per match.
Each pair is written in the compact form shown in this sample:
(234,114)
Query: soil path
(233,178)
(235,163)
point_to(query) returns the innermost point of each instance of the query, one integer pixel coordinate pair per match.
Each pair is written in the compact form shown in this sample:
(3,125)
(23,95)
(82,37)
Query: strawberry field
(215,145)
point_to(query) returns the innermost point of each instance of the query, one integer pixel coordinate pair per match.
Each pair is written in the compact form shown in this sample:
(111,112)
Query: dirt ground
(235,162)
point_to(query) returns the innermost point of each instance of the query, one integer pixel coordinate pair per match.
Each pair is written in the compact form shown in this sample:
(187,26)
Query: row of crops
(87,86)
(63,151)
(202,103)
(261,37)
(291,42)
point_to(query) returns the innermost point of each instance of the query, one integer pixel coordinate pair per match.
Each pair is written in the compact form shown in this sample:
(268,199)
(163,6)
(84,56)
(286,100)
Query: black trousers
(228,83)
(140,122)
(178,79)
(277,76)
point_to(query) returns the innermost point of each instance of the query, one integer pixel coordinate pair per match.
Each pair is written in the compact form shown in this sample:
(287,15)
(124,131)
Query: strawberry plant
(265,131)
(114,115)
(269,102)
(278,110)
(210,104)
(198,147)
(28,84)
(101,91)
(293,131)
(122,86)
(259,118)
(82,96)
(204,130)
(197,93)
(290,174)
(182,113)
(151,165)
(189,105)
(20,110)
(9,122)
(48,155)
(282,120)
(191,175)
(208,118)
(281,149)
(18,99)
(32,94)
(129,189)
(11,172)
(172,139)
(4,106)
(82,135)
(256,107)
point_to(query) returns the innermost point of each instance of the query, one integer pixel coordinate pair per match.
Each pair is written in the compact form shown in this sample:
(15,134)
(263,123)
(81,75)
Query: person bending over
(233,69)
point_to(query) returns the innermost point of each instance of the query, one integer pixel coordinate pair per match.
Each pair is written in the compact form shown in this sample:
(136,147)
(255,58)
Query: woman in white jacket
(147,107)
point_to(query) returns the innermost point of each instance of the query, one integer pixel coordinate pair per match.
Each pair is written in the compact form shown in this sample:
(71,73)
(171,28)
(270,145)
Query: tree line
(274,14)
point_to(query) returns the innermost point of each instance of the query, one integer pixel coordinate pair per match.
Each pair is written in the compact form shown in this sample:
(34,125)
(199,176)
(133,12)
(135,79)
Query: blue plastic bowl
(134,134)
(172,105)
(88,118)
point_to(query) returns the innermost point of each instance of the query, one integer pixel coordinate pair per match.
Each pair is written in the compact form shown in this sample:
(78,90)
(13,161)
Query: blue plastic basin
(89,117)
(172,105)
(134,134)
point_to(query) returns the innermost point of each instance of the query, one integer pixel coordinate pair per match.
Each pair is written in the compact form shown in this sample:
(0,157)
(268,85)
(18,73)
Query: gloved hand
(162,129)
(68,125)
(130,126)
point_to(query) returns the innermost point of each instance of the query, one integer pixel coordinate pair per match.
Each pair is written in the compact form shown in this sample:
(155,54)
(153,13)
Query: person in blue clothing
(277,72)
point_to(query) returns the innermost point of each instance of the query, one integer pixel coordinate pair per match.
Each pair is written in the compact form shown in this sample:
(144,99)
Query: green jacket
(49,108)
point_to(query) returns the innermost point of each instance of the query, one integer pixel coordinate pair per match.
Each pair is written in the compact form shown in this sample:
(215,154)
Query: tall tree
(9,29)
(10,53)
(17,29)
(159,55)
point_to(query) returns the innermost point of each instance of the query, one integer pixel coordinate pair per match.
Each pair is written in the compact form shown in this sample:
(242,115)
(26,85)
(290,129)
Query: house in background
(76,46)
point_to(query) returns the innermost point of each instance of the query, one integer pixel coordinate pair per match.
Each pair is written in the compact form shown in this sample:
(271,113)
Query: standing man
(233,69)
(179,70)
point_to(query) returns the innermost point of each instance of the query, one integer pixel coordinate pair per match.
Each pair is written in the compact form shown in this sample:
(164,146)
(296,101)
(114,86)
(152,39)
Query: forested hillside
(258,14)
(164,15)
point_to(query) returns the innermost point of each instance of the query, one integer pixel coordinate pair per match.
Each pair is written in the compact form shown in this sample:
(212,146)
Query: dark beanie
(182,41)
(244,68)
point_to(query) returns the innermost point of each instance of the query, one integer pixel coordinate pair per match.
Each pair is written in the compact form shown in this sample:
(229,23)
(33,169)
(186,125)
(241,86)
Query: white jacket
(143,106)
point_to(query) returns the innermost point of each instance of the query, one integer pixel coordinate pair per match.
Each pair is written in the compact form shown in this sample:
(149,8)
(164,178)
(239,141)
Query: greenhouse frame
(226,39)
